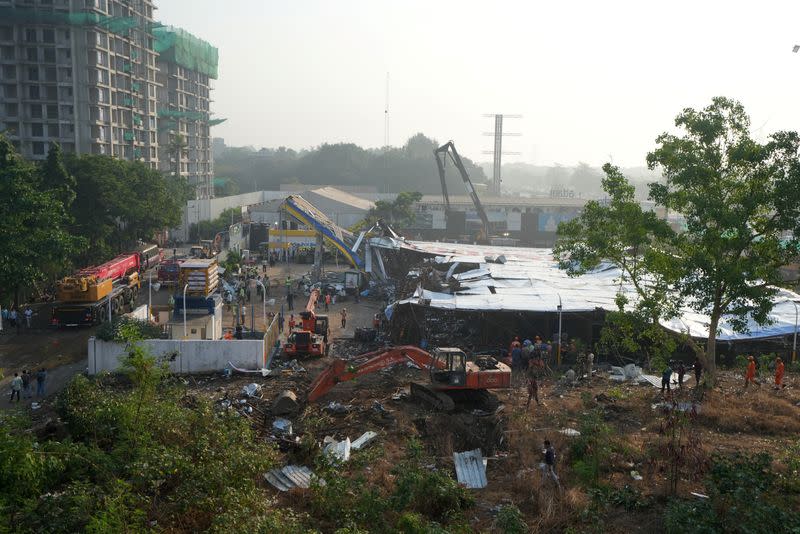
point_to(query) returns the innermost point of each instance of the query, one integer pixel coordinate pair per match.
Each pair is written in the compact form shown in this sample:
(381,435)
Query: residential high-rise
(102,77)
(186,66)
(79,73)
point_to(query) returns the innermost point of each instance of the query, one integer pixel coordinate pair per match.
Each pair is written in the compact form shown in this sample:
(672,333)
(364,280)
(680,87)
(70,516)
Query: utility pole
(497,152)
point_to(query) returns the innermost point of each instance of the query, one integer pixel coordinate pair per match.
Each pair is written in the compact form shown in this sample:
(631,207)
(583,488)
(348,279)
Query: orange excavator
(311,339)
(452,375)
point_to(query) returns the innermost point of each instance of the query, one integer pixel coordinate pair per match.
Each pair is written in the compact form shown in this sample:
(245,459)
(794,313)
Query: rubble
(365,439)
(337,407)
(282,426)
(338,450)
(285,403)
(571,432)
(252,390)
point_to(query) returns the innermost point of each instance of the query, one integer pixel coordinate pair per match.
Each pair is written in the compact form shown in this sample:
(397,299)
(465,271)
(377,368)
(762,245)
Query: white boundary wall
(184,357)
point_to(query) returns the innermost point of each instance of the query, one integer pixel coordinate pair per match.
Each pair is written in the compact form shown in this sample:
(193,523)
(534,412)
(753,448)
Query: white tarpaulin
(529,280)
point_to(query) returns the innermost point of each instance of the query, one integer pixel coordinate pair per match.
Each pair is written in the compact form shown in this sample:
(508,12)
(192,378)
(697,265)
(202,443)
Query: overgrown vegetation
(136,459)
(744,496)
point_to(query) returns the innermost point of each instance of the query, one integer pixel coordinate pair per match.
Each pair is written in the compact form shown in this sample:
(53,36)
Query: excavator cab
(449,367)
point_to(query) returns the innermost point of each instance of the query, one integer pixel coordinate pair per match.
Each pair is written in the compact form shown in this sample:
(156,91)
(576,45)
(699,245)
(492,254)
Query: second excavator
(451,375)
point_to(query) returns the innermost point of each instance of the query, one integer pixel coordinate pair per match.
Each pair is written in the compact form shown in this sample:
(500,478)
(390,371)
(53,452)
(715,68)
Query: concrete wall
(184,357)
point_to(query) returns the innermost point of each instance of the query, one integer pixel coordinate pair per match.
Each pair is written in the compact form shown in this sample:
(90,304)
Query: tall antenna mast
(386,115)
(498,152)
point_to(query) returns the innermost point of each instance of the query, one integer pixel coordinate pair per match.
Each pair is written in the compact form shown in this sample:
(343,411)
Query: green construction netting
(174,44)
(183,48)
(30,15)
(172,115)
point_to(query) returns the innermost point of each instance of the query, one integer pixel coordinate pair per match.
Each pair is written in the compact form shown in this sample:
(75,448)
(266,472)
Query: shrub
(122,328)
(510,521)
(592,449)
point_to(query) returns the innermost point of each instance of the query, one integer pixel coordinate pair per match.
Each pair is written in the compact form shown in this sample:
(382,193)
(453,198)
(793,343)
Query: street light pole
(794,341)
(184,310)
(264,307)
(150,296)
(558,357)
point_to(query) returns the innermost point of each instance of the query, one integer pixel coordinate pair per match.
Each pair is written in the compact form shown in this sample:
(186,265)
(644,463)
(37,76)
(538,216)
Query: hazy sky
(592,79)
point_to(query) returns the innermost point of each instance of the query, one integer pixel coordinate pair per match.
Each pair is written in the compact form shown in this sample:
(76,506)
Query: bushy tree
(741,203)
(34,234)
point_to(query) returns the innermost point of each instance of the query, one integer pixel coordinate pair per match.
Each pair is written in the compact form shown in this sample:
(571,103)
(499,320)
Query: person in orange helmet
(750,374)
(779,369)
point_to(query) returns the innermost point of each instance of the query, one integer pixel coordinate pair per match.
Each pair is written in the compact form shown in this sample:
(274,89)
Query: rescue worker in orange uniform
(779,369)
(750,374)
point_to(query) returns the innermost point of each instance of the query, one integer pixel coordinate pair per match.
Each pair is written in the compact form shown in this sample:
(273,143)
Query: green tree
(119,202)
(398,212)
(739,198)
(621,233)
(33,222)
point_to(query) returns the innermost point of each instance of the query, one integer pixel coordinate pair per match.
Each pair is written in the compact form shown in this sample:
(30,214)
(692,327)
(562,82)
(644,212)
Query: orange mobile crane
(452,376)
(311,339)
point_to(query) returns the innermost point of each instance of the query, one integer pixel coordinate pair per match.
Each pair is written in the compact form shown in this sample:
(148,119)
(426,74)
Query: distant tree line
(394,169)
(71,211)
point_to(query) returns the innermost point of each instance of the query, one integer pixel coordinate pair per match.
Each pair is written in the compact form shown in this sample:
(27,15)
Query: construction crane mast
(441,153)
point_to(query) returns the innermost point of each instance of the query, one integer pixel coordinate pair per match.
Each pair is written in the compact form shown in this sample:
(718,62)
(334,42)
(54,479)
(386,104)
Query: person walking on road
(344,318)
(327,301)
(290,301)
(779,370)
(41,377)
(16,387)
(750,373)
(549,465)
(28,316)
(291,323)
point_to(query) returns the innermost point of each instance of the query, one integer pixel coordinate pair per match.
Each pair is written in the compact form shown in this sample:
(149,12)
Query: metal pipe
(149,296)
(184,310)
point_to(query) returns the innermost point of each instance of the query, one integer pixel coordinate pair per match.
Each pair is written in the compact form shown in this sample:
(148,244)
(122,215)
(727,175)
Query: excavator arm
(449,149)
(343,370)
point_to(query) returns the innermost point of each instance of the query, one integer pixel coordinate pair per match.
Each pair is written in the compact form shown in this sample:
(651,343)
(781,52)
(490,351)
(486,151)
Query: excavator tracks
(438,400)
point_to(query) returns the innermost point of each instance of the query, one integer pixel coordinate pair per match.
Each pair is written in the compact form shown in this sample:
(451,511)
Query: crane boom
(449,149)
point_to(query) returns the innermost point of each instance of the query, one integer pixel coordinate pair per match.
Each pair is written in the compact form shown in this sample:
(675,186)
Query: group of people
(752,368)
(22,385)
(12,317)
(679,368)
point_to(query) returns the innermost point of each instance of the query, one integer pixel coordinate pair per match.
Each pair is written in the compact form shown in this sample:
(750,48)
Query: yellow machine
(88,289)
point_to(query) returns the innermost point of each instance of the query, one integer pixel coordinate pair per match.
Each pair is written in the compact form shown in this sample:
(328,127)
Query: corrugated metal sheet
(292,476)
(470,469)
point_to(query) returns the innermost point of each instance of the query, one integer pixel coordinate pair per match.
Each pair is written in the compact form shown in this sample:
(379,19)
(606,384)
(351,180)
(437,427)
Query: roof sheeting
(470,469)
(529,280)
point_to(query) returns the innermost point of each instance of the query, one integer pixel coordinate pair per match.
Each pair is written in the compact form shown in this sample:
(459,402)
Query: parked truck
(85,298)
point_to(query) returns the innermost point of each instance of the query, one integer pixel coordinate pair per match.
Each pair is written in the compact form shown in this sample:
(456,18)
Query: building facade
(102,77)
(186,66)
